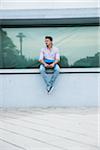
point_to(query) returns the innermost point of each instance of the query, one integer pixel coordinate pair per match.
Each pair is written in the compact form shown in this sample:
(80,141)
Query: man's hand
(51,65)
(46,65)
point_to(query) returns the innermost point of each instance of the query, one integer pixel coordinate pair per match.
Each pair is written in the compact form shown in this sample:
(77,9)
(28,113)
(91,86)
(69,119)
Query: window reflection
(20,47)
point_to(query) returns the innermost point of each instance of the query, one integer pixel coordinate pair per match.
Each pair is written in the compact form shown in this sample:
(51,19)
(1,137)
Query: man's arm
(43,62)
(41,59)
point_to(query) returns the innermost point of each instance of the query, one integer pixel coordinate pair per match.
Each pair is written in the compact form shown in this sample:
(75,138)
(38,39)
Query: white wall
(47,4)
(71,89)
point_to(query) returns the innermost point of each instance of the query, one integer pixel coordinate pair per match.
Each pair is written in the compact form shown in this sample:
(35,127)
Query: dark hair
(49,37)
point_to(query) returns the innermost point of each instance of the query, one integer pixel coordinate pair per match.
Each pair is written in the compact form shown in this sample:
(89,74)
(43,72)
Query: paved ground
(49,129)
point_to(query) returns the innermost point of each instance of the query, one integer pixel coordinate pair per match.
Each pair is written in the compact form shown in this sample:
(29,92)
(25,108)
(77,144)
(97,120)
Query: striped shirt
(50,54)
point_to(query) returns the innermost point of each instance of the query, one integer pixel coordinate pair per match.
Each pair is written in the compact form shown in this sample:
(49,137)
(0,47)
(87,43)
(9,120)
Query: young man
(49,57)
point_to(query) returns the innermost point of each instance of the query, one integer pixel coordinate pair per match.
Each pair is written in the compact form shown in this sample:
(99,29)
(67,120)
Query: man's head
(48,41)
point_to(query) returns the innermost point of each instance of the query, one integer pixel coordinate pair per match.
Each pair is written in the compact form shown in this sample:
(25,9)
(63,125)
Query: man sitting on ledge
(49,58)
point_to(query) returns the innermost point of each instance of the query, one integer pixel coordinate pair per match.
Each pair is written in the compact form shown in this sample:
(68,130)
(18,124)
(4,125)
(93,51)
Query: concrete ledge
(29,90)
(62,70)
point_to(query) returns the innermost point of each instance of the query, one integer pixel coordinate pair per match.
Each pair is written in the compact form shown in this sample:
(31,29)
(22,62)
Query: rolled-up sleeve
(57,55)
(41,55)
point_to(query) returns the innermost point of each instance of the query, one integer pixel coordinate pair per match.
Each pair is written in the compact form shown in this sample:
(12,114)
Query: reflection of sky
(73,42)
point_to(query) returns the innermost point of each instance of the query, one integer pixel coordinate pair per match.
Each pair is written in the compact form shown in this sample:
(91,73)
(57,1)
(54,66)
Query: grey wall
(71,89)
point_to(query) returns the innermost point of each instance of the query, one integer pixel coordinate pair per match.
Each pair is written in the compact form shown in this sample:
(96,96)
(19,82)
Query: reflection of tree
(88,61)
(33,63)
(63,62)
(10,55)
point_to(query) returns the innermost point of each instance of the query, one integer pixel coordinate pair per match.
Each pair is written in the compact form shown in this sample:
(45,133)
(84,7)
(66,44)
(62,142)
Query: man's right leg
(44,75)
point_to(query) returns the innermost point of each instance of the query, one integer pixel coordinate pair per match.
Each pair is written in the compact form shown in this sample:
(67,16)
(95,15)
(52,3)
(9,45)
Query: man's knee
(57,68)
(42,68)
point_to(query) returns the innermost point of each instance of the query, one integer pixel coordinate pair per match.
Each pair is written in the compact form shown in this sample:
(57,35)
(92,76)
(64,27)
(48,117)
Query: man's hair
(49,37)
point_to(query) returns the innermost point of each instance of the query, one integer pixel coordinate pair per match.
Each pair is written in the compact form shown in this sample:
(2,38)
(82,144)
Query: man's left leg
(55,74)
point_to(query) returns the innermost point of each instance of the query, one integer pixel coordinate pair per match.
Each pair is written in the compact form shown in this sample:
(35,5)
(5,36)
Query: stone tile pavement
(49,128)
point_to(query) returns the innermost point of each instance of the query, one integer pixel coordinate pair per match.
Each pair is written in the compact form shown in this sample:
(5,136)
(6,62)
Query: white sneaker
(48,88)
(51,89)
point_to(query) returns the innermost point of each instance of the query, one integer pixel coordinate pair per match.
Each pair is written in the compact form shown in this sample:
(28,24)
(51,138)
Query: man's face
(48,42)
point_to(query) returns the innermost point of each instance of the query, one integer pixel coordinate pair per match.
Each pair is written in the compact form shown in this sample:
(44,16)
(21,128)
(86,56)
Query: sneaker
(51,89)
(48,88)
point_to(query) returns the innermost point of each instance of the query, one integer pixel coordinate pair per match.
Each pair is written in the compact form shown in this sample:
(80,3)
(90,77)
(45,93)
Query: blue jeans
(46,77)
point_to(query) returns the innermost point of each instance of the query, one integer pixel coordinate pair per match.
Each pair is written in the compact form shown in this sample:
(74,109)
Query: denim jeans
(49,82)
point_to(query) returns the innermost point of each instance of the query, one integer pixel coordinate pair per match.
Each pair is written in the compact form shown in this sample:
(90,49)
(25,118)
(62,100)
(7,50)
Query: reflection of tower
(21,36)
